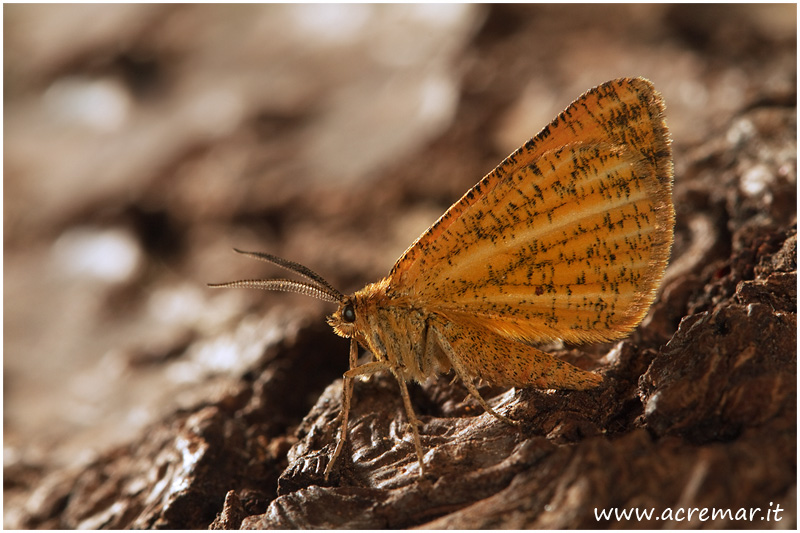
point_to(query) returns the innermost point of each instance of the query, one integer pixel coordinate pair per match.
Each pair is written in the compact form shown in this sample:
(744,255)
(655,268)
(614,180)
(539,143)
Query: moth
(566,240)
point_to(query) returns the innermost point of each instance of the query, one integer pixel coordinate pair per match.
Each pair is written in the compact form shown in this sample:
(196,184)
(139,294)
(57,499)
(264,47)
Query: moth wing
(504,362)
(568,238)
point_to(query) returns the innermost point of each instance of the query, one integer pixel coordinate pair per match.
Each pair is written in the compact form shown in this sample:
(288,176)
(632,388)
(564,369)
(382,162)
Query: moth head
(351,319)
(344,320)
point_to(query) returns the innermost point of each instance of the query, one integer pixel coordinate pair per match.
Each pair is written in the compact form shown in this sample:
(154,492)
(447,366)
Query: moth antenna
(297,268)
(287,285)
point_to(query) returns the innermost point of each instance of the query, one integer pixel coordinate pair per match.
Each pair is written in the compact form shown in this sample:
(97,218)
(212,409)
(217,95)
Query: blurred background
(144,142)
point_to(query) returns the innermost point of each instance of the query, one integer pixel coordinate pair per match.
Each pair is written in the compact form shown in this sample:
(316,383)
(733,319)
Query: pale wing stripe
(572,221)
(482,250)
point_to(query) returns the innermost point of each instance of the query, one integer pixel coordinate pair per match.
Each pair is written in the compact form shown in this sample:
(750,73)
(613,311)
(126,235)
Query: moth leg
(353,364)
(413,422)
(347,394)
(462,373)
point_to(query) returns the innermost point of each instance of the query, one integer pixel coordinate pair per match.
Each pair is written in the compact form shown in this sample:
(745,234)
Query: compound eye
(348,313)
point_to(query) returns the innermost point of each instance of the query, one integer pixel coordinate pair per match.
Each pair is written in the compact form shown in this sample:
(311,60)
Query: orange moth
(567,239)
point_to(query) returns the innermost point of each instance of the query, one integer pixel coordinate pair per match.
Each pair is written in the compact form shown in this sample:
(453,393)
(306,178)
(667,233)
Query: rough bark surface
(699,406)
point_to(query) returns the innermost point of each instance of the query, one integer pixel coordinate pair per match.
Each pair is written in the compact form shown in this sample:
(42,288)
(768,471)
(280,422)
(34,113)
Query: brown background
(143,142)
